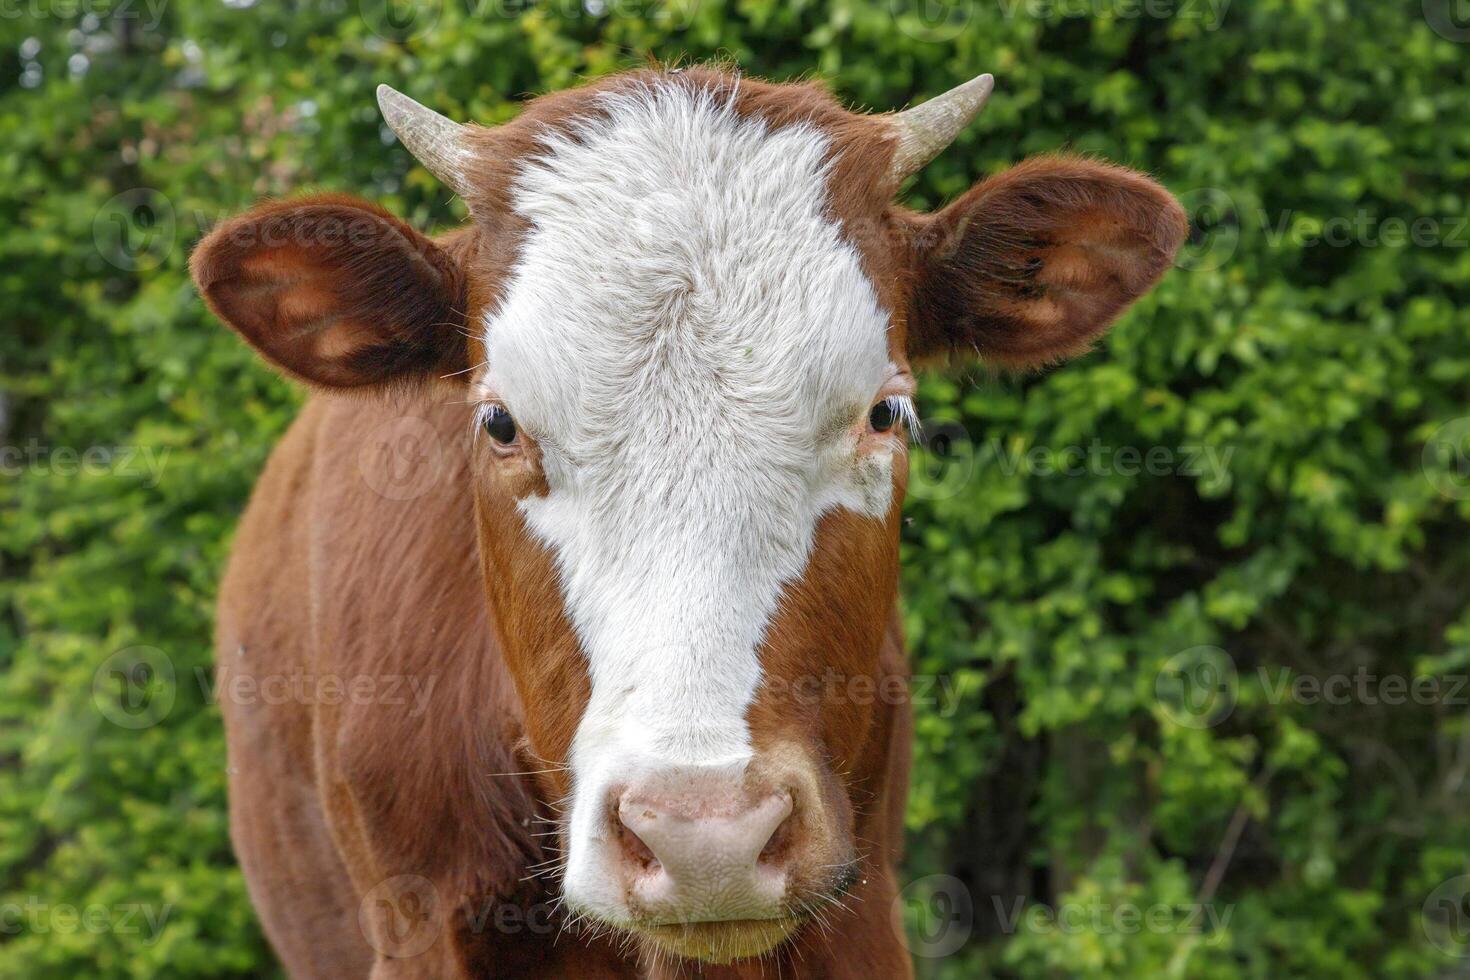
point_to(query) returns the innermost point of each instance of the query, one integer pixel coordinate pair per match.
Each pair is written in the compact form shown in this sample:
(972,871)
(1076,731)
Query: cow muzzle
(709,864)
(693,859)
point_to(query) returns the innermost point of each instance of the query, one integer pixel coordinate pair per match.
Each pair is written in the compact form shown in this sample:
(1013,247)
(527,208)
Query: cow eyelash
(486,414)
(905,415)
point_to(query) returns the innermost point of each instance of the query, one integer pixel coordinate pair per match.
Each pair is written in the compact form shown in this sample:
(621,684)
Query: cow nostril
(636,849)
(780,842)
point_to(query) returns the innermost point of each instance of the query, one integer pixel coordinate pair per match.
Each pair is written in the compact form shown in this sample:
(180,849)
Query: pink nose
(691,861)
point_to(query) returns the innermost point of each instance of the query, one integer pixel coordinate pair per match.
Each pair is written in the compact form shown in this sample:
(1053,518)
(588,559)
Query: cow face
(685,315)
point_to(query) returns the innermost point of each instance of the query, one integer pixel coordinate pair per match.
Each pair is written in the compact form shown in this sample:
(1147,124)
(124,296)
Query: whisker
(529,772)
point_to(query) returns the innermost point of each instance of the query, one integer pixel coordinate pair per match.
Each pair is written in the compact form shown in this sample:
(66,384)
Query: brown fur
(383,542)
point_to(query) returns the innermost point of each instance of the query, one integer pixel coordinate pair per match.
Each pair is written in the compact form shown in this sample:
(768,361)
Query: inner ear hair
(1032,265)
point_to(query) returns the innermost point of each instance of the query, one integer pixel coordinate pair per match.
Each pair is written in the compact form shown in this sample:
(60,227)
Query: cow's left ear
(337,292)
(1032,265)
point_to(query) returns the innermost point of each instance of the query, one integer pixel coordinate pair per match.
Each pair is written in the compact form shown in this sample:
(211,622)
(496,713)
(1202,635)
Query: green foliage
(1298,377)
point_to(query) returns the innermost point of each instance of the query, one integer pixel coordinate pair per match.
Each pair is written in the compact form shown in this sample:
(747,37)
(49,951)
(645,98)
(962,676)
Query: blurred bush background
(1128,642)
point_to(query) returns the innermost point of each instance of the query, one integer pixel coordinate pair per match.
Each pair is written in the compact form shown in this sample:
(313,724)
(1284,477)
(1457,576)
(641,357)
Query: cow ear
(1032,265)
(336,292)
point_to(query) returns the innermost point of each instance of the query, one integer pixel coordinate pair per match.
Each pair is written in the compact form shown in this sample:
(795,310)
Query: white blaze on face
(691,342)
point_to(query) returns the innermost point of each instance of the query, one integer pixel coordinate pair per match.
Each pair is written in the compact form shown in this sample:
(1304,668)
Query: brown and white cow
(662,380)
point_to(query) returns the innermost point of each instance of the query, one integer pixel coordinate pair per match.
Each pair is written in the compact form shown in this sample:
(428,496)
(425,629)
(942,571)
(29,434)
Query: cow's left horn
(929,127)
(437,142)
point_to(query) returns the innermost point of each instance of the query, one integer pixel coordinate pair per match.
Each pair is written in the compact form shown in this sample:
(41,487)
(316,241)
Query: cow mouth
(721,942)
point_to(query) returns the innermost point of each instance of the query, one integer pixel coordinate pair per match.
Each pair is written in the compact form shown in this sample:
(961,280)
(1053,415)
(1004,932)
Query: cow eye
(891,412)
(883,415)
(499,424)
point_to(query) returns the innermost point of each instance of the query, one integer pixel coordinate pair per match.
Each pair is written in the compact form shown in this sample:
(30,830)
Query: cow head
(685,314)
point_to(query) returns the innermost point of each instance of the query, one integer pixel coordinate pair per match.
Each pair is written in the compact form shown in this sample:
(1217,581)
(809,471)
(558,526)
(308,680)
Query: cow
(650,407)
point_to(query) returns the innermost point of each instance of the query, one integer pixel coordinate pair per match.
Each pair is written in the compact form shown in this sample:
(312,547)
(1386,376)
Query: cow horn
(435,141)
(929,127)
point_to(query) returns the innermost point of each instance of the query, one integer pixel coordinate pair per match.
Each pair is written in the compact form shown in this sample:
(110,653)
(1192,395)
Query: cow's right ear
(336,292)
(1033,264)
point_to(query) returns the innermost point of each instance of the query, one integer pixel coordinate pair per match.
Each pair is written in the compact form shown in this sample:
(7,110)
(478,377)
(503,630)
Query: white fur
(695,348)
